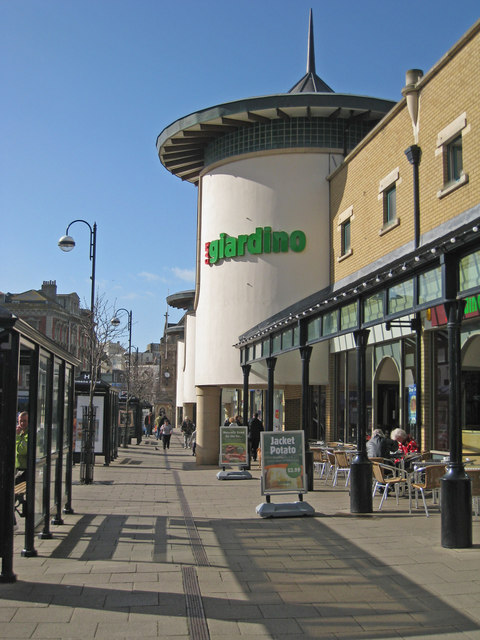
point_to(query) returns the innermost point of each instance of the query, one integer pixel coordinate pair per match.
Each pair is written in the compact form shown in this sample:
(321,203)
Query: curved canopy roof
(182,144)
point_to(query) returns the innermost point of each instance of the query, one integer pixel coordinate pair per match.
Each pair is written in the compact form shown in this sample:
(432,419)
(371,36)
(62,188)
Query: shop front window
(441,384)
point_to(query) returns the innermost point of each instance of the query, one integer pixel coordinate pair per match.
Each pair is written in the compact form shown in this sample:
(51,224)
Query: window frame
(344,223)
(447,142)
(386,187)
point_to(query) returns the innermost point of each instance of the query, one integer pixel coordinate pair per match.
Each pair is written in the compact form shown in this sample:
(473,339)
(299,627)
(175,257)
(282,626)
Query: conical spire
(311,83)
(311,46)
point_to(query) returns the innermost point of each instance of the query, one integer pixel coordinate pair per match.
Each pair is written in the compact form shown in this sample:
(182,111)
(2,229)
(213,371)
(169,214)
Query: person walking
(255,427)
(167,430)
(187,429)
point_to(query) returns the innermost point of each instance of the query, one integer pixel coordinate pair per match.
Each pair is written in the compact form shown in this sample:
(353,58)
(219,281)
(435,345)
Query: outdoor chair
(431,482)
(383,481)
(319,461)
(342,465)
(474,475)
(330,465)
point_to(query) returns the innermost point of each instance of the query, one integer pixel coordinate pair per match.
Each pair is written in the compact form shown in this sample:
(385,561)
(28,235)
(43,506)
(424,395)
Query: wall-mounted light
(404,267)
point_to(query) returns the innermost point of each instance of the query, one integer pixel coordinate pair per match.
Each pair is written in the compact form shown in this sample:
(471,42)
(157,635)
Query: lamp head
(115,321)
(66,243)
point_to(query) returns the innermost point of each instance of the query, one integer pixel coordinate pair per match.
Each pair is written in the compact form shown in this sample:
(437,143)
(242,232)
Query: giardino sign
(263,240)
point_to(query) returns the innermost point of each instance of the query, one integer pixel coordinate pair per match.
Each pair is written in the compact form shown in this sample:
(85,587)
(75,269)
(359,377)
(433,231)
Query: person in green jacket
(22,447)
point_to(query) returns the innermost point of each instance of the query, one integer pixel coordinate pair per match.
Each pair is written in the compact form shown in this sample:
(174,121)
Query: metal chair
(474,475)
(431,482)
(319,461)
(330,465)
(383,481)
(342,465)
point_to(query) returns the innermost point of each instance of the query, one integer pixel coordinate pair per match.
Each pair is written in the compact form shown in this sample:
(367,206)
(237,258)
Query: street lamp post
(116,321)
(67,243)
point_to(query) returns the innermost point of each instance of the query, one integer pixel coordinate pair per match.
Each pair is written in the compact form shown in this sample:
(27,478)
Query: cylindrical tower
(263,238)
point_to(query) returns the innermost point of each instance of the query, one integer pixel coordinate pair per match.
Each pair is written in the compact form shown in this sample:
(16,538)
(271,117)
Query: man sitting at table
(379,446)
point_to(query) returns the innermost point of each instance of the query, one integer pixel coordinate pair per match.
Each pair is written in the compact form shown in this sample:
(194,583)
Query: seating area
(417,476)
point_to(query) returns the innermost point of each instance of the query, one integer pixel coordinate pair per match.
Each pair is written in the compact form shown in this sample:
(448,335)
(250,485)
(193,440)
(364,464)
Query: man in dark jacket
(254,428)
(379,446)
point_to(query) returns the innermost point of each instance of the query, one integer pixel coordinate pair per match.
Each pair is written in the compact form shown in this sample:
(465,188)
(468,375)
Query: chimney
(49,288)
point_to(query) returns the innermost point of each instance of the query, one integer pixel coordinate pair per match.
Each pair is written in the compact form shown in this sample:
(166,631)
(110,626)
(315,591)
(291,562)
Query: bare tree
(97,332)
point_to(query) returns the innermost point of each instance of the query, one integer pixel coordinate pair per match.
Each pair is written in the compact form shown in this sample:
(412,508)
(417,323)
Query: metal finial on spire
(311,83)
(311,48)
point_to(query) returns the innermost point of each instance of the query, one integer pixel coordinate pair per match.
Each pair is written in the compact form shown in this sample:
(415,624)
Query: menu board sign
(283,462)
(233,446)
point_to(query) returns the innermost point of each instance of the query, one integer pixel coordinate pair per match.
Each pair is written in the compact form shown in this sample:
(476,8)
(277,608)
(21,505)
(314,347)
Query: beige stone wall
(447,91)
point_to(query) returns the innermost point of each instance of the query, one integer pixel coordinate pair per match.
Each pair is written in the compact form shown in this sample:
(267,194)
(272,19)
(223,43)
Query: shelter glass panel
(430,286)
(400,297)
(42,397)
(55,444)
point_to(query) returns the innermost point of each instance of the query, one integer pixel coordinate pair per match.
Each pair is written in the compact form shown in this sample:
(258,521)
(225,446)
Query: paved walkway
(159,548)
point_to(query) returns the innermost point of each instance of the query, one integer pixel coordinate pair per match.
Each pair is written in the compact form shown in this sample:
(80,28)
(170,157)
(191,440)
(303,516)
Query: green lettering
(241,242)
(230,247)
(254,242)
(298,241)
(222,245)
(280,241)
(267,239)
(213,251)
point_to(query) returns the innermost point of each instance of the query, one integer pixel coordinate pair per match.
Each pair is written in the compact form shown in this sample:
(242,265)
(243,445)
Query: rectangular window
(277,343)
(450,149)
(348,317)
(469,271)
(346,244)
(430,286)
(296,336)
(454,160)
(314,329)
(390,205)
(400,297)
(287,339)
(373,307)
(330,323)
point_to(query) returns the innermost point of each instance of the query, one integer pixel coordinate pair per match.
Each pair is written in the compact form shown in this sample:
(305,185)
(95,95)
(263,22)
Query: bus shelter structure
(36,376)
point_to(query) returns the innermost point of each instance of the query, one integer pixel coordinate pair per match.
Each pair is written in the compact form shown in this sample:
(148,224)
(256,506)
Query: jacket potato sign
(283,462)
(233,446)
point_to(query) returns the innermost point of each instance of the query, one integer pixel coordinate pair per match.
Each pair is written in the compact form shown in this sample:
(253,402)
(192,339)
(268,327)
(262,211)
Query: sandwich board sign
(233,452)
(283,471)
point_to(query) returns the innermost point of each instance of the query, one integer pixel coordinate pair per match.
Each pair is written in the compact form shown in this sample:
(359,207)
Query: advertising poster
(83,401)
(412,404)
(283,462)
(233,446)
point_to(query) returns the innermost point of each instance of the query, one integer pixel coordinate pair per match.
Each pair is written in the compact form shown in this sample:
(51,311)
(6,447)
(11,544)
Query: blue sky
(87,86)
